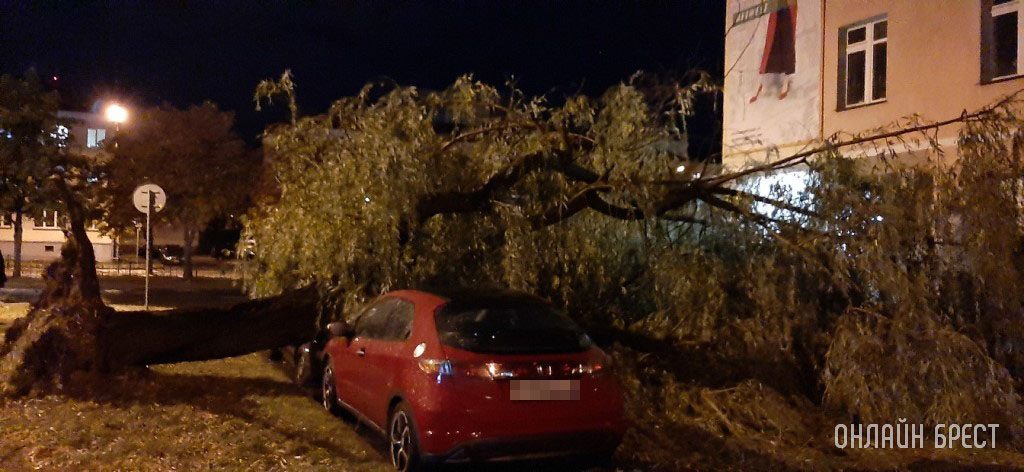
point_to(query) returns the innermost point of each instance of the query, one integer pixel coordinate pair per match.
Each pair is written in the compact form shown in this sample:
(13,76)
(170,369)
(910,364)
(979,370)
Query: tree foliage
(28,121)
(393,181)
(29,147)
(193,154)
(878,289)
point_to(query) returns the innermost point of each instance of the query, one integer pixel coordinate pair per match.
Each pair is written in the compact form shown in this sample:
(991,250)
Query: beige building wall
(44,243)
(934,63)
(934,68)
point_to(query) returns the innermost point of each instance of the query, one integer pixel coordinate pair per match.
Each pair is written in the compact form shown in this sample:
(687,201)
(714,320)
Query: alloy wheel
(328,394)
(401,441)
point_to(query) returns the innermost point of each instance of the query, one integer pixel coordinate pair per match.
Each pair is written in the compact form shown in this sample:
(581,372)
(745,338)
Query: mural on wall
(773,74)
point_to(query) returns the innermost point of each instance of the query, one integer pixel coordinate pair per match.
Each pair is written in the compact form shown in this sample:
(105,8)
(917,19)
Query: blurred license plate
(545,389)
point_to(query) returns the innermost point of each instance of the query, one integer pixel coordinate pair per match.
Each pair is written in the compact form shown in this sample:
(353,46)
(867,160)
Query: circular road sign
(141,197)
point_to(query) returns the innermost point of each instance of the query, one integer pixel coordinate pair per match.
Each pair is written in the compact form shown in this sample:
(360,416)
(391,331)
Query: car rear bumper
(479,416)
(527,448)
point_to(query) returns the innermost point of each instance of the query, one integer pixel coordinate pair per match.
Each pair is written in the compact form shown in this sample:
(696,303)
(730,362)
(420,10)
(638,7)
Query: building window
(7,221)
(47,248)
(48,219)
(95,137)
(1001,39)
(863,62)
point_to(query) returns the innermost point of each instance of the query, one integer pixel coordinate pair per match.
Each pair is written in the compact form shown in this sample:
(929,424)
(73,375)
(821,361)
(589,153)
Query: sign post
(149,198)
(138,226)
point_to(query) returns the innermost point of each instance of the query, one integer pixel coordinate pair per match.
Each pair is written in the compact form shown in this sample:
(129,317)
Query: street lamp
(116,113)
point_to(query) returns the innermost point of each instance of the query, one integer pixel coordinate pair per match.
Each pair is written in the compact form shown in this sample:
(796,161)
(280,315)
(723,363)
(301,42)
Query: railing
(204,267)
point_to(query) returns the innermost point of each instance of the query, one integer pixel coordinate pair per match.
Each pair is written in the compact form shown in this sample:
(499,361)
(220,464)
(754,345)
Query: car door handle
(361,352)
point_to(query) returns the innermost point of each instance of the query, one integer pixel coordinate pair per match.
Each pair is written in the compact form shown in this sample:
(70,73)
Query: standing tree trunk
(19,231)
(60,335)
(186,257)
(3,271)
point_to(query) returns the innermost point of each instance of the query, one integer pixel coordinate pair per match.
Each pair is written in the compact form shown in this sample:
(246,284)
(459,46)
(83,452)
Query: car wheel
(329,390)
(305,375)
(403,445)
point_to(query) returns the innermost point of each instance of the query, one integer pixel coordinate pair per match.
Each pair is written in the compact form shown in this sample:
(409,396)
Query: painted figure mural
(778,61)
(772,99)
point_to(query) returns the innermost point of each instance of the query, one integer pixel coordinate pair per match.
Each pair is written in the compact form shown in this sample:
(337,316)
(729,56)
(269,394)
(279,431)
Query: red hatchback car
(473,377)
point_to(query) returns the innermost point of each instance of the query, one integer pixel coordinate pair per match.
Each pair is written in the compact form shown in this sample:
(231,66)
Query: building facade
(800,71)
(43,231)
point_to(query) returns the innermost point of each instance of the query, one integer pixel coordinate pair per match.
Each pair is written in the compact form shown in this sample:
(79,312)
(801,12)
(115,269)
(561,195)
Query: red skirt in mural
(779,55)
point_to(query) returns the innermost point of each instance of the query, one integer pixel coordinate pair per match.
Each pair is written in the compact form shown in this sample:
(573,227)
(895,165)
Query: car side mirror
(340,329)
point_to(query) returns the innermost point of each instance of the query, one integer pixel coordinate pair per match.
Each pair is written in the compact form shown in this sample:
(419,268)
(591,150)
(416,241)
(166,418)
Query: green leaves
(29,147)
(580,200)
(396,186)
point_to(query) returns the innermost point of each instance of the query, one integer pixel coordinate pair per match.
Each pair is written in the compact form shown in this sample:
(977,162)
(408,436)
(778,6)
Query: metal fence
(202,268)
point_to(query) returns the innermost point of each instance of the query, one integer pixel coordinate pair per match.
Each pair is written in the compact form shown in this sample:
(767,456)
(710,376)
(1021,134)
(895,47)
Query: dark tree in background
(29,143)
(60,335)
(194,155)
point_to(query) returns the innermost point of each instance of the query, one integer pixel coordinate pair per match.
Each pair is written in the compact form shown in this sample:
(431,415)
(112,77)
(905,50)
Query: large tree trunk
(186,257)
(70,331)
(19,232)
(159,337)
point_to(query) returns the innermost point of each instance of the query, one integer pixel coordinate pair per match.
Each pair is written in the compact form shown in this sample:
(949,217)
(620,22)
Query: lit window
(864,63)
(48,219)
(95,137)
(1003,41)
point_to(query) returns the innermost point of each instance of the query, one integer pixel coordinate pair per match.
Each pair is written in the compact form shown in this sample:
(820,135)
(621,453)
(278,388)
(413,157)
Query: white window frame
(48,216)
(1008,8)
(867,46)
(94,137)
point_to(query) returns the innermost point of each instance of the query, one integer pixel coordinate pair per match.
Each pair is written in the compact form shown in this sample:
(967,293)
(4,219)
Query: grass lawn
(234,414)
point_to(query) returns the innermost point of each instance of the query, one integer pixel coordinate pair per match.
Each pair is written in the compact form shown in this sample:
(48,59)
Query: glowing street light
(116,113)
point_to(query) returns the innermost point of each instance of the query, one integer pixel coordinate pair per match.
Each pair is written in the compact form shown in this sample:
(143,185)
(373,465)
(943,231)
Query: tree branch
(590,198)
(766,200)
(479,199)
(801,157)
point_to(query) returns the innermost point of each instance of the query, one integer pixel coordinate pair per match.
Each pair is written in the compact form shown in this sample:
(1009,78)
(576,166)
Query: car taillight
(440,368)
(511,370)
(436,366)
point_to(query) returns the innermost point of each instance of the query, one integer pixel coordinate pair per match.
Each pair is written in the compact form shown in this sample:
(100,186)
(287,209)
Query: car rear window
(502,327)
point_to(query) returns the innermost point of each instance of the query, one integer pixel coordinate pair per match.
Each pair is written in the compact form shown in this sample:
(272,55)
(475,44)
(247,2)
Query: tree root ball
(60,335)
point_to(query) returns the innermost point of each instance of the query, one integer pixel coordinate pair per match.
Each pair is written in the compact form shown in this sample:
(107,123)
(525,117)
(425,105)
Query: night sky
(186,52)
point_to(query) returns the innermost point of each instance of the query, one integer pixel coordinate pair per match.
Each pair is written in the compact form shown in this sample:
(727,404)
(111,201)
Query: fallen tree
(70,331)
(593,205)
(160,337)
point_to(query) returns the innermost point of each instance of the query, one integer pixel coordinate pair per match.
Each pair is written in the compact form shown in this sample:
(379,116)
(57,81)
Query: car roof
(476,296)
